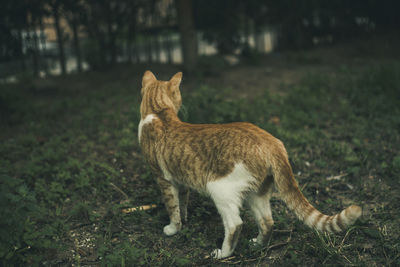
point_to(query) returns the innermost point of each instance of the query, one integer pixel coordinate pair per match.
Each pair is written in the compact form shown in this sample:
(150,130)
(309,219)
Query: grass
(69,147)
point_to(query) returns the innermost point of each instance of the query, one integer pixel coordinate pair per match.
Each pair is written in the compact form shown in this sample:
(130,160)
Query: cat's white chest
(148,119)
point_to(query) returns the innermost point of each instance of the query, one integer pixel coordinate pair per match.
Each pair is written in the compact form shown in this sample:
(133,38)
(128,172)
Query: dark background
(322,76)
(104,33)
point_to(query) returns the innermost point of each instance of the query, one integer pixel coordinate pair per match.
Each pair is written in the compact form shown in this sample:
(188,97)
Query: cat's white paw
(170,229)
(255,242)
(217,254)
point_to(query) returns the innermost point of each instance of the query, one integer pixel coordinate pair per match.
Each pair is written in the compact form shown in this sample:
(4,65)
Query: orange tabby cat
(230,162)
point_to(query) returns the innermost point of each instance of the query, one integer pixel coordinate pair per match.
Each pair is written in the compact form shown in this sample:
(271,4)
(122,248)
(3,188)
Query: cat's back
(235,132)
(231,141)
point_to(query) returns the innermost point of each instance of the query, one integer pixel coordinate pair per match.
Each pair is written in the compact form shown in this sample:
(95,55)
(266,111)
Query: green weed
(62,149)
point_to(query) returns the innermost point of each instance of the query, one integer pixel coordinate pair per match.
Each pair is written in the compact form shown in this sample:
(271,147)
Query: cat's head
(160,95)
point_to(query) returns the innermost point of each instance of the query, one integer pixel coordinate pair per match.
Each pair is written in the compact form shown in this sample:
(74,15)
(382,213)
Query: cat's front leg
(170,196)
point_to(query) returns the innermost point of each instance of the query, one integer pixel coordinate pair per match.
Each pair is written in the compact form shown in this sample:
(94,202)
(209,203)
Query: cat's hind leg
(227,193)
(260,206)
(232,225)
(170,195)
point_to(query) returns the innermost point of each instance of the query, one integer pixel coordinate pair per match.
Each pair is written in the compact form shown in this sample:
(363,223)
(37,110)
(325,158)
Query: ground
(70,161)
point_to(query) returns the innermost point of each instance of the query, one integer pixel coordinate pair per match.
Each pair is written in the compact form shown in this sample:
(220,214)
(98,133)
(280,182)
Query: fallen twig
(336,177)
(227,260)
(119,190)
(278,245)
(143,207)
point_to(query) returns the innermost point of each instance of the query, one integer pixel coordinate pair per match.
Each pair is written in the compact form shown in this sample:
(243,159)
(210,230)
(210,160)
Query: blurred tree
(36,10)
(116,29)
(230,23)
(132,10)
(19,24)
(301,23)
(56,9)
(13,20)
(220,22)
(188,34)
(106,22)
(74,14)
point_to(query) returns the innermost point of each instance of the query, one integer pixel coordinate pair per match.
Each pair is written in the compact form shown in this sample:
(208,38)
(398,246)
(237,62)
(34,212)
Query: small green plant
(70,161)
(20,231)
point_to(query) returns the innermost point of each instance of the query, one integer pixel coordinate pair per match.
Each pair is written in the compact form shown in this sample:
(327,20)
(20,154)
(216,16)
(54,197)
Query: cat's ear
(176,79)
(148,78)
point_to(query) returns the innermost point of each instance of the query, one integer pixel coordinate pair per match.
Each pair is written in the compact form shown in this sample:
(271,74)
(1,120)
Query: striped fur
(233,163)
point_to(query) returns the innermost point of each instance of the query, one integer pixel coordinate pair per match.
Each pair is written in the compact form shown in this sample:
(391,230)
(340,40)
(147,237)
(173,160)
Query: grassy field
(70,162)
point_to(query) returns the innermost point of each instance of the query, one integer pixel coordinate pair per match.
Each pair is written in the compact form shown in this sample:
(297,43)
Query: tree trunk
(149,48)
(135,53)
(60,41)
(129,42)
(188,34)
(167,46)
(35,54)
(111,37)
(247,32)
(113,49)
(44,48)
(99,59)
(157,49)
(21,48)
(102,59)
(128,52)
(76,43)
(129,47)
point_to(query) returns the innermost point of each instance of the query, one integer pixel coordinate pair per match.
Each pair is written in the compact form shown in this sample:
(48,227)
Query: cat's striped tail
(295,200)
